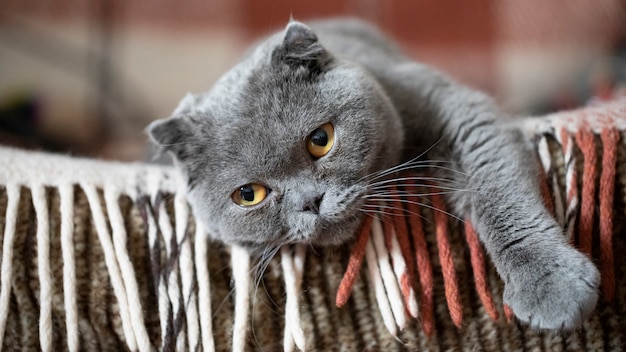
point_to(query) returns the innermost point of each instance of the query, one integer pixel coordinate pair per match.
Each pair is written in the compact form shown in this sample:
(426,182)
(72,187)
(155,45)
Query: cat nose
(312,203)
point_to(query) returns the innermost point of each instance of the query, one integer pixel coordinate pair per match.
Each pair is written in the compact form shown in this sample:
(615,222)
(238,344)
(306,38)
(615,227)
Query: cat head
(279,149)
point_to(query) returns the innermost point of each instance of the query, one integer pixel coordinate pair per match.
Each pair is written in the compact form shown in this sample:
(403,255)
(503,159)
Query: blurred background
(84,77)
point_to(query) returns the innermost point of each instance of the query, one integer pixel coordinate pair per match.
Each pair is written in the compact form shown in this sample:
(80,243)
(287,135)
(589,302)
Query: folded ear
(172,134)
(300,47)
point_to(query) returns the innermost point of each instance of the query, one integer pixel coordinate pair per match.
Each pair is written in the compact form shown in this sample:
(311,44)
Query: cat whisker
(264,261)
(259,271)
(226,298)
(400,168)
(394,187)
(164,145)
(416,159)
(313,250)
(422,205)
(410,178)
(411,164)
(416,167)
(394,196)
(372,212)
(455,171)
(256,271)
(376,208)
(404,212)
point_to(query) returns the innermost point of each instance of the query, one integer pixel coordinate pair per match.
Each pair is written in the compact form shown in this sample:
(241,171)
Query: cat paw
(559,294)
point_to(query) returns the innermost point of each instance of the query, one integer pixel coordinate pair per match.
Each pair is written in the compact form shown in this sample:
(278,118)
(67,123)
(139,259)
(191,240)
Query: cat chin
(335,234)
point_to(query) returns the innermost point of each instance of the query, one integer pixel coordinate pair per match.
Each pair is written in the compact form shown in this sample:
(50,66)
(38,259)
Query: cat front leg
(548,283)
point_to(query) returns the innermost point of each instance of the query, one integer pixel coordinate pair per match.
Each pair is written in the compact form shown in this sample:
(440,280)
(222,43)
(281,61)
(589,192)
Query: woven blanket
(107,256)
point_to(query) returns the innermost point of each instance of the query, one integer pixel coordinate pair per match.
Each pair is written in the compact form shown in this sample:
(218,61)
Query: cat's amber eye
(321,140)
(250,194)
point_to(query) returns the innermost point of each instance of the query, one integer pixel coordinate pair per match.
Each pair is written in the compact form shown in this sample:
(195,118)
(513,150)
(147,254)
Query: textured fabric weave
(159,261)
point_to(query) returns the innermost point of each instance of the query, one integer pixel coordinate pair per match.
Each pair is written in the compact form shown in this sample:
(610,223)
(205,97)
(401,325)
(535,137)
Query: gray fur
(252,127)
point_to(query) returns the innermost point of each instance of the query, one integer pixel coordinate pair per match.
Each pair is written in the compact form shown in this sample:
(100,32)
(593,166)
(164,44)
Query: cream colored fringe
(176,291)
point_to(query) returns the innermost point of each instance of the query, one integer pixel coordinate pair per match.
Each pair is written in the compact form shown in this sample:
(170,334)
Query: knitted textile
(106,256)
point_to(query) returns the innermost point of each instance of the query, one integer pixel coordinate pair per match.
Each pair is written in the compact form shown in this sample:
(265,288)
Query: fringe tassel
(354,263)
(111,262)
(116,220)
(586,141)
(170,276)
(13,195)
(190,305)
(508,313)
(387,274)
(548,181)
(155,265)
(40,203)
(393,248)
(292,263)
(610,139)
(240,262)
(179,332)
(204,288)
(66,193)
(298,264)
(159,270)
(571,183)
(403,263)
(379,287)
(400,270)
(425,270)
(478,268)
(447,264)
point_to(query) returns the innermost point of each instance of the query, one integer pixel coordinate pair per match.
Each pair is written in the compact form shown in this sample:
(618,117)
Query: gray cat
(288,144)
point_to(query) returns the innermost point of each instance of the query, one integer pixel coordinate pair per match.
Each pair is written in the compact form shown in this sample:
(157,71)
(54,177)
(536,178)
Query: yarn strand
(354,264)
(447,264)
(571,183)
(390,282)
(40,204)
(379,288)
(66,193)
(401,235)
(610,138)
(186,269)
(425,270)
(478,268)
(171,273)
(160,287)
(548,182)
(104,237)
(204,288)
(400,269)
(586,141)
(111,196)
(240,262)
(293,327)
(13,195)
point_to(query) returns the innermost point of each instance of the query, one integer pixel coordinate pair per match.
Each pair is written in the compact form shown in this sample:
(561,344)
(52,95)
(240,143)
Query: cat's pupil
(319,137)
(247,193)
